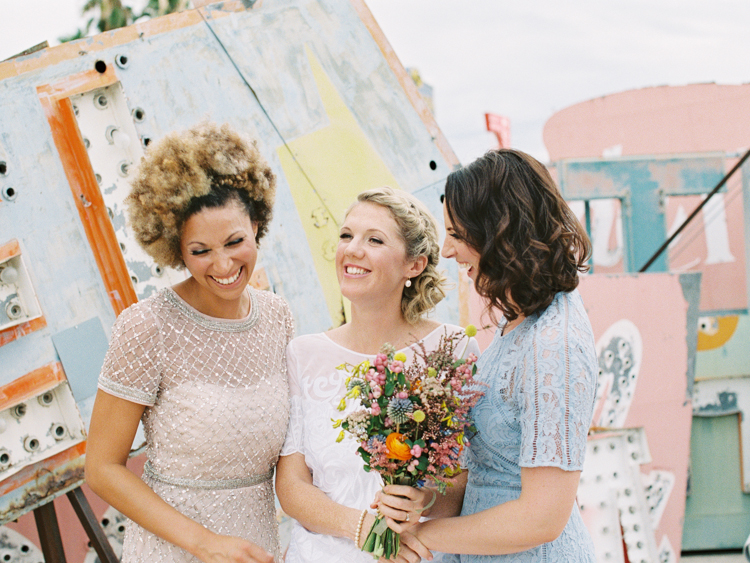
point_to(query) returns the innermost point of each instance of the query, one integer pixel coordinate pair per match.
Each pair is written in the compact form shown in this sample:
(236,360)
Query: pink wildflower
(403,395)
(380,361)
(375,409)
(416,450)
(397,366)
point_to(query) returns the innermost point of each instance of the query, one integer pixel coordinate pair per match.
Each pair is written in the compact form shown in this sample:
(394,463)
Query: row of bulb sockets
(30,443)
(9,193)
(9,276)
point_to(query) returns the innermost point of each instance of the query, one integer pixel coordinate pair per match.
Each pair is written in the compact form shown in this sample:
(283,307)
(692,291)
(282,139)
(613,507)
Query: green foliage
(113,14)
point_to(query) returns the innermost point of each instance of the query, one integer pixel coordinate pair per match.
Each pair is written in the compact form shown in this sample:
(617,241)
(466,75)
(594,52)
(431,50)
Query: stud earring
(408,283)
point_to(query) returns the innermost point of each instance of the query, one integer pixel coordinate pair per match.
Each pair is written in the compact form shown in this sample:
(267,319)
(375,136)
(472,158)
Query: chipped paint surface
(642,184)
(41,483)
(613,497)
(645,376)
(322,201)
(314,82)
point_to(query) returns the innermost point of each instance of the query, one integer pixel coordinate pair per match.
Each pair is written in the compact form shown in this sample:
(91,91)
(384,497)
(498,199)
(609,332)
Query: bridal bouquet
(414,419)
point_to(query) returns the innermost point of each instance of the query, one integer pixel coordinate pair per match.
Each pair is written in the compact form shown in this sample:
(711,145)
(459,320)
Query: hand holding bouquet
(414,419)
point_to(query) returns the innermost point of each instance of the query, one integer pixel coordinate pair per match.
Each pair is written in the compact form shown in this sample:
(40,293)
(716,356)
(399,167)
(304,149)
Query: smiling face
(371,260)
(219,251)
(458,249)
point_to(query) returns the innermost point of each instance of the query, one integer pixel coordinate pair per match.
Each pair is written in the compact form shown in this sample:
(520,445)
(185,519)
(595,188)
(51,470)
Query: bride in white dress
(386,266)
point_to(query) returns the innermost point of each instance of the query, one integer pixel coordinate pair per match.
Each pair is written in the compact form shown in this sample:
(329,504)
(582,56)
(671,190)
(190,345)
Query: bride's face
(371,260)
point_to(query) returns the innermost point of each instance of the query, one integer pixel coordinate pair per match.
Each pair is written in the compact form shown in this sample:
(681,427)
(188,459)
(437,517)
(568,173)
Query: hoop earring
(408,283)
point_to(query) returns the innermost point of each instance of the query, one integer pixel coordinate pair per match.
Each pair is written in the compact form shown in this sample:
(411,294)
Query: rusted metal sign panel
(645,328)
(718,506)
(314,81)
(641,185)
(634,203)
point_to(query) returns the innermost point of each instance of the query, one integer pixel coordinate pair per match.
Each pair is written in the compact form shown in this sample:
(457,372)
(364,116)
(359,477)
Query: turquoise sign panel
(641,184)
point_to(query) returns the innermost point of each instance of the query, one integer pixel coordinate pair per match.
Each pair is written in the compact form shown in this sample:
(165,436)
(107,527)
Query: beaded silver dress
(217,411)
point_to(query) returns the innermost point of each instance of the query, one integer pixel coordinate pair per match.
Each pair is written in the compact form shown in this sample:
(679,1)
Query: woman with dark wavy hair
(524,248)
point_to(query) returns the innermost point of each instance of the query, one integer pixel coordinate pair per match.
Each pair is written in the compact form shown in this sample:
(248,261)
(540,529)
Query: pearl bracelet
(359,527)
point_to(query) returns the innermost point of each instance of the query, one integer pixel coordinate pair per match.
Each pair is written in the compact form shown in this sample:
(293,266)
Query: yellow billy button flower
(340,436)
(400,357)
(418,416)
(470,331)
(432,372)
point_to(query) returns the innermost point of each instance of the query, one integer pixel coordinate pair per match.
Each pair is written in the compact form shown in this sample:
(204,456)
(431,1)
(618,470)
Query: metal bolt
(100,101)
(123,168)
(19,411)
(58,431)
(139,114)
(45,399)
(122,61)
(30,444)
(9,193)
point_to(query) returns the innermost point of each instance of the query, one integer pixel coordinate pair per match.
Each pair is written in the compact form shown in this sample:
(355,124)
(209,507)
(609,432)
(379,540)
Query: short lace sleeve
(131,367)
(556,395)
(295,431)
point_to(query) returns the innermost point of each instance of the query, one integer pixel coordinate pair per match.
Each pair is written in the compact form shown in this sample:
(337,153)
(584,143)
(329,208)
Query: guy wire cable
(691,234)
(695,211)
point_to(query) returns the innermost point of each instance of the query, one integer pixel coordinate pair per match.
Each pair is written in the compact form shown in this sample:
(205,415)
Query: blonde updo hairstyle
(418,229)
(206,166)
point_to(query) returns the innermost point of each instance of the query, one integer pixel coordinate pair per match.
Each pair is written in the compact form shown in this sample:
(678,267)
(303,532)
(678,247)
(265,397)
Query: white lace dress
(217,410)
(316,388)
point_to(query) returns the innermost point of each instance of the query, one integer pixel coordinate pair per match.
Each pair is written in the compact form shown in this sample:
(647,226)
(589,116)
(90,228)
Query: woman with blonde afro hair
(182,169)
(201,364)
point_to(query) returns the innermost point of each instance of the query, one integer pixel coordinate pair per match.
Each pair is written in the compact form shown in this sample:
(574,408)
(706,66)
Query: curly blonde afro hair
(187,171)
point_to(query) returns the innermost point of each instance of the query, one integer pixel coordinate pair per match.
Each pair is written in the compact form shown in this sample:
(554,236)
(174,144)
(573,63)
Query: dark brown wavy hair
(506,206)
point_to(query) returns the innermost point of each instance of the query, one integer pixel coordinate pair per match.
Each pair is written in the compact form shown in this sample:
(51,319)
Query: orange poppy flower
(396,447)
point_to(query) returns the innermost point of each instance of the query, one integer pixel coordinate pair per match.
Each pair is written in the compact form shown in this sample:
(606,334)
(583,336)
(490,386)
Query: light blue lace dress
(536,412)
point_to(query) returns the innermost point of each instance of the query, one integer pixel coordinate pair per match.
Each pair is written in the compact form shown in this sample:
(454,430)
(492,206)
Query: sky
(523,60)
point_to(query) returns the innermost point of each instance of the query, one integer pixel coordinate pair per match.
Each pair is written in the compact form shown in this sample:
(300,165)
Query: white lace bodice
(316,388)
